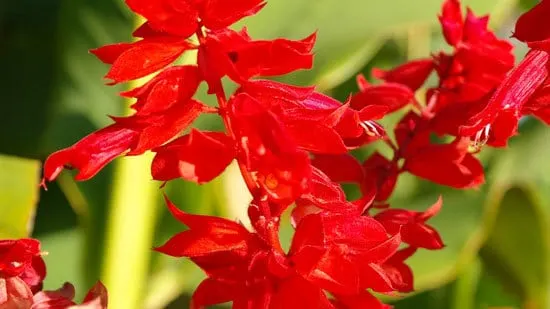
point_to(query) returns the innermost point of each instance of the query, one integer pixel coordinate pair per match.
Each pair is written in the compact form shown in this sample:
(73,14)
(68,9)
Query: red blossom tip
(534,25)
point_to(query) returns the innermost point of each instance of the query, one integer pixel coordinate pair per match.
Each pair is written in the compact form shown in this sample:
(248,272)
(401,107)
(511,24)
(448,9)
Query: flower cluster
(22,271)
(292,147)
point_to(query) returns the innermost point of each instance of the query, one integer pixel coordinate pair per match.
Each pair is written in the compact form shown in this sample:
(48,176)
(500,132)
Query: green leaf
(64,260)
(19,187)
(517,250)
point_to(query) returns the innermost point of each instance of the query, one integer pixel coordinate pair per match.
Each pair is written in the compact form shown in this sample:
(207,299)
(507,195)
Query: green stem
(130,230)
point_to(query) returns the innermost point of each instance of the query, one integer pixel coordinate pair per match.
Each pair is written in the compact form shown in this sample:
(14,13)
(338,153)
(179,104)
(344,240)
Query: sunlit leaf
(19,186)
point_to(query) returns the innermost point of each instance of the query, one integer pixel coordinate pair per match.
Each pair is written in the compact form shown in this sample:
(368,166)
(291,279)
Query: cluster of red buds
(292,147)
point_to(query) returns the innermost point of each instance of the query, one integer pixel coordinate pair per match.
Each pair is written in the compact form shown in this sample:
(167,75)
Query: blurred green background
(52,94)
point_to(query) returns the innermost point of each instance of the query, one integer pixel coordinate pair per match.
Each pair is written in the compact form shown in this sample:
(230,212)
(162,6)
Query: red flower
(446,164)
(340,168)
(384,174)
(207,235)
(171,86)
(391,96)
(96,298)
(400,274)
(129,135)
(341,254)
(271,155)
(21,258)
(533,26)
(319,123)
(134,60)
(235,54)
(451,21)
(501,114)
(197,156)
(523,91)
(181,18)
(412,226)
(412,74)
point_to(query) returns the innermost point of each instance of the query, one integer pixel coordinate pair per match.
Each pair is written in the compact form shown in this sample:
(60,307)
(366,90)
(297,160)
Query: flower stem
(132,216)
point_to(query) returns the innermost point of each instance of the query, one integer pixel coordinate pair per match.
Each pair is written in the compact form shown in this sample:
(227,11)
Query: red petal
(358,234)
(220,14)
(513,92)
(145,31)
(175,17)
(61,298)
(172,85)
(206,235)
(339,168)
(198,156)
(451,21)
(412,226)
(422,236)
(158,128)
(504,127)
(374,277)
(272,90)
(534,25)
(297,293)
(360,301)
(91,153)
(385,173)
(110,53)
(324,194)
(96,298)
(399,273)
(390,95)
(211,292)
(412,74)
(383,251)
(448,165)
(17,256)
(272,58)
(335,273)
(316,137)
(282,170)
(14,293)
(146,57)
(432,211)
(35,273)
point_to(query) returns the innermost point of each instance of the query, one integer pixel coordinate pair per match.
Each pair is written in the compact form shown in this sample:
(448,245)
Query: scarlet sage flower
(447,164)
(318,123)
(292,147)
(182,18)
(230,53)
(164,108)
(467,77)
(327,253)
(22,271)
(412,226)
(524,89)
(96,298)
(269,152)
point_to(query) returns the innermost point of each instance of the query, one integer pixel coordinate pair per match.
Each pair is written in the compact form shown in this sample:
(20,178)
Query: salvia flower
(292,146)
(22,271)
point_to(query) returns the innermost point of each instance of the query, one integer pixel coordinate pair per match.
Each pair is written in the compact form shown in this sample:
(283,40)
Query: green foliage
(19,180)
(52,93)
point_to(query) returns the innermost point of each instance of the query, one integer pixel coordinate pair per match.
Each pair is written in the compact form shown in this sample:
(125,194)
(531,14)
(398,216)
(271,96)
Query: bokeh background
(52,93)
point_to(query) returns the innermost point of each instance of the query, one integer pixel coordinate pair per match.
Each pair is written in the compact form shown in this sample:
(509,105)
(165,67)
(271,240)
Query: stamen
(480,139)
(372,128)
